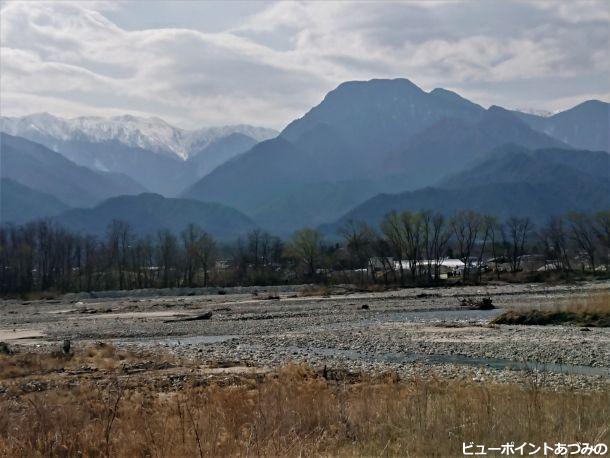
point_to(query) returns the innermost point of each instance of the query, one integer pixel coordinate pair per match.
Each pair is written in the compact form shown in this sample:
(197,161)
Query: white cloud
(72,59)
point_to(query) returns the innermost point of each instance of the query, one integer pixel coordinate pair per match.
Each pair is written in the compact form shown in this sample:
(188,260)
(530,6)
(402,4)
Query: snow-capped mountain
(151,134)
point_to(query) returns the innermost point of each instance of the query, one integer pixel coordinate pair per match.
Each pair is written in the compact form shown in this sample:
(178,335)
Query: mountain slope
(149,213)
(20,204)
(536,201)
(314,204)
(514,163)
(251,179)
(585,126)
(452,144)
(154,171)
(46,171)
(202,162)
(512,181)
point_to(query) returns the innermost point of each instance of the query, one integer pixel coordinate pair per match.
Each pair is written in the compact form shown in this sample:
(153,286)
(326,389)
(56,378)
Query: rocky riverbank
(413,331)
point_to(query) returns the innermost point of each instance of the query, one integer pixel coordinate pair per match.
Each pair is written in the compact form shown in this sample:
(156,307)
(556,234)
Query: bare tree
(394,235)
(189,240)
(306,246)
(206,254)
(413,235)
(518,230)
(254,247)
(487,228)
(118,243)
(583,234)
(359,239)
(494,228)
(439,237)
(167,250)
(554,237)
(602,230)
(466,225)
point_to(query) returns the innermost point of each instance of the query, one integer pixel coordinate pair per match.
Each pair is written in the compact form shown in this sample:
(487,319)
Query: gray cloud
(267,63)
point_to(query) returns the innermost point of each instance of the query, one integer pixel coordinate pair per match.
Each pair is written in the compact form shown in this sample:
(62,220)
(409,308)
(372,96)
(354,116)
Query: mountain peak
(497,109)
(592,105)
(446,93)
(374,87)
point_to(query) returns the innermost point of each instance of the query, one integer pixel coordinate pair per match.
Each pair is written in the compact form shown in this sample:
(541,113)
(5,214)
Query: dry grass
(98,356)
(316,290)
(593,311)
(292,412)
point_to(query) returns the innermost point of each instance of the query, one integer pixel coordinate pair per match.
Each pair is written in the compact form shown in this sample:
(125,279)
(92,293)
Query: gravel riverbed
(418,331)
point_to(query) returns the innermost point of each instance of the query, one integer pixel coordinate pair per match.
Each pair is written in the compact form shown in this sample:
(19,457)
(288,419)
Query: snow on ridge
(534,111)
(153,133)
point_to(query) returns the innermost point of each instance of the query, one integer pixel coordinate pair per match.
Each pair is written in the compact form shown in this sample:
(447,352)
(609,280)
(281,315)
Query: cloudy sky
(198,63)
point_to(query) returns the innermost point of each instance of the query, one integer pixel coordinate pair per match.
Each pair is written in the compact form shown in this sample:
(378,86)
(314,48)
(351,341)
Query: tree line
(406,248)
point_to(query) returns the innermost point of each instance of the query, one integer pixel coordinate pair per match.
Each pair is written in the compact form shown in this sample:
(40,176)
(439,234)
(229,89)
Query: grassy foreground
(99,402)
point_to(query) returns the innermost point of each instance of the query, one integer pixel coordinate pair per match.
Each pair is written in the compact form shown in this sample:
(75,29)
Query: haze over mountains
(151,134)
(157,155)
(511,181)
(43,170)
(367,148)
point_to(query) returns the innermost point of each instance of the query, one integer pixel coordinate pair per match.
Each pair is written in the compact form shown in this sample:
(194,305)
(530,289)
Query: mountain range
(585,126)
(366,138)
(159,156)
(511,181)
(152,134)
(367,148)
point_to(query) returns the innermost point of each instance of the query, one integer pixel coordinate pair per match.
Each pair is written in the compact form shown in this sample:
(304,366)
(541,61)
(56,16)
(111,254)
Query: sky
(202,63)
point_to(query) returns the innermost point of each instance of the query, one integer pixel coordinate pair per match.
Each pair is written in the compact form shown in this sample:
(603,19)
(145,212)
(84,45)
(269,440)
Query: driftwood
(483,304)
(203,316)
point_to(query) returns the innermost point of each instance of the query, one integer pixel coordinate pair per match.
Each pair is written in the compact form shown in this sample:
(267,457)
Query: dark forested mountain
(584,126)
(512,181)
(41,169)
(20,204)
(149,213)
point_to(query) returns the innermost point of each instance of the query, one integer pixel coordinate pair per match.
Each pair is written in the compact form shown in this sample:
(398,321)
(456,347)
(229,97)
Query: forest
(406,249)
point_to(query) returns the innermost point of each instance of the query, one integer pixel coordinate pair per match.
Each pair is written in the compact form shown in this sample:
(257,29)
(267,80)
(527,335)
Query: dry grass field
(101,402)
